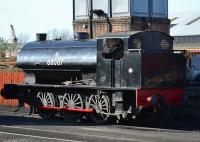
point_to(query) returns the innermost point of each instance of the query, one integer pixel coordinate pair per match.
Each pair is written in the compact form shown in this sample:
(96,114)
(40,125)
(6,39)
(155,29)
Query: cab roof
(128,34)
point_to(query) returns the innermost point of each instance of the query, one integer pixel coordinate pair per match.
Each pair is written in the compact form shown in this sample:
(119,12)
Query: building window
(101,4)
(82,8)
(121,8)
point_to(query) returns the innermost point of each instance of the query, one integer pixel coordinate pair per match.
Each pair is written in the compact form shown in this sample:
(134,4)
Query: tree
(3,47)
(65,35)
(56,34)
(23,37)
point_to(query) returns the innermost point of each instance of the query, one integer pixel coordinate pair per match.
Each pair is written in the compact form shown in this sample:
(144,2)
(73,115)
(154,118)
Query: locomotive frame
(134,71)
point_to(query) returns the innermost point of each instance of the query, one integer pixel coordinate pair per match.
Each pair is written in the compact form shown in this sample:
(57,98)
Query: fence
(7,77)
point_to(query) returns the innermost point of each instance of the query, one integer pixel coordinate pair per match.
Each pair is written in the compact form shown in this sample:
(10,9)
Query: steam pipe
(99,13)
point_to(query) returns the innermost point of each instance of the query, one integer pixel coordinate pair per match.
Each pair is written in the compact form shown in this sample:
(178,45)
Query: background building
(125,16)
(185,27)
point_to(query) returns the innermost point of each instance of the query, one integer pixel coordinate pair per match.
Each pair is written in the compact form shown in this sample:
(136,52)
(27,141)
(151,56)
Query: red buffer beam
(88,110)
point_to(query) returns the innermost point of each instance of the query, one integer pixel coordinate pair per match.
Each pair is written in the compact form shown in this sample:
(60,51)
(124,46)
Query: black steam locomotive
(118,74)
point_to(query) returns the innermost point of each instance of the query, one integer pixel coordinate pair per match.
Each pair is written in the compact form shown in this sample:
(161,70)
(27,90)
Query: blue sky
(32,16)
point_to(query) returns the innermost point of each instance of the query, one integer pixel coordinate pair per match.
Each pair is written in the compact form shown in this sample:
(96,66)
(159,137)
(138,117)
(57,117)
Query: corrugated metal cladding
(141,8)
(7,78)
(186,42)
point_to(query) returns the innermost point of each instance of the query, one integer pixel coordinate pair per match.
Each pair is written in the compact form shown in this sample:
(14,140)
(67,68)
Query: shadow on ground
(186,123)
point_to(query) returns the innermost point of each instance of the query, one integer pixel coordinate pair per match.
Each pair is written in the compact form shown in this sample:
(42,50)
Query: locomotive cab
(140,69)
(137,60)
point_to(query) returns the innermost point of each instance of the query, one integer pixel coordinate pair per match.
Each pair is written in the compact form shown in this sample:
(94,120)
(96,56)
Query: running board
(88,110)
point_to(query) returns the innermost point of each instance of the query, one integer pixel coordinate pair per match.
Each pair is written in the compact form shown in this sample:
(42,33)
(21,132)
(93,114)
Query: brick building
(126,15)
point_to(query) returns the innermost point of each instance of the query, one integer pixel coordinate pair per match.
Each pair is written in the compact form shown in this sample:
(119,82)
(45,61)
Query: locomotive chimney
(41,37)
(81,35)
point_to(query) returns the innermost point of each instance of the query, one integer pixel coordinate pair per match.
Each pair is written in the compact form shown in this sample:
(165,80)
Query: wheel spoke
(70,97)
(66,98)
(104,105)
(93,100)
(92,105)
(105,110)
(76,99)
(101,101)
(46,96)
(48,99)
(77,103)
(49,102)
(74,96)
(40,98)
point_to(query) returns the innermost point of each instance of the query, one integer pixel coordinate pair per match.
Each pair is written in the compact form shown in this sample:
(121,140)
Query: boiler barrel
(55,55)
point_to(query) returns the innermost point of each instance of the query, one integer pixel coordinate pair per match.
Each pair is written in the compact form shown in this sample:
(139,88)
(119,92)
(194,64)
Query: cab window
(113,49)
(136,44)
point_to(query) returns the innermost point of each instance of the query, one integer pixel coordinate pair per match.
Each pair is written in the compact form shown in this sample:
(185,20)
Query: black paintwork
(152,66)
(152,58)
(75,55)
(120,63)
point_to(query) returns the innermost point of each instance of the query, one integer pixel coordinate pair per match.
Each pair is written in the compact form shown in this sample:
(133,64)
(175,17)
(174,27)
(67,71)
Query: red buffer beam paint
(88,110)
